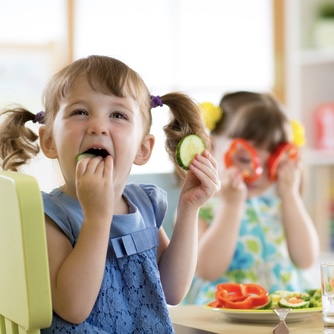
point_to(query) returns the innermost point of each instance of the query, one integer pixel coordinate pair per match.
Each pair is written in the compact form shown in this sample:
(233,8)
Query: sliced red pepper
(230,291)
(254,170)
(240,296)
(259,295)
(285,150)
(243,302)
(214,304)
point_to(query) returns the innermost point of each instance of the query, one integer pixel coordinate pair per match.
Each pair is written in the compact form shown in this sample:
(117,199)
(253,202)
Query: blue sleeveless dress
(131,299)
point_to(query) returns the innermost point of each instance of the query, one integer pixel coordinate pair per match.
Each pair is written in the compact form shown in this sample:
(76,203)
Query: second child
(256,229)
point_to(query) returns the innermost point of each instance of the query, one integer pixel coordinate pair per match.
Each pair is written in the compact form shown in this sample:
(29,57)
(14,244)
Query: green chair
(25,294)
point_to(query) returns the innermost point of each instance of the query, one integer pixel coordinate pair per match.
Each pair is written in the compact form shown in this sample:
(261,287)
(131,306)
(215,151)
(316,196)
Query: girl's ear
(145,150)
(47,144)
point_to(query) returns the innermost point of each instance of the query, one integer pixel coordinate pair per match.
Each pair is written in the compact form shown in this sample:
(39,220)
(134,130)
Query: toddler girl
(112,267)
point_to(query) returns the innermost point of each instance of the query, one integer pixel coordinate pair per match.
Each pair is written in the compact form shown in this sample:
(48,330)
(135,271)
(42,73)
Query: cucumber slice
(187,148)
(278,295)
(84,155)
(293,302)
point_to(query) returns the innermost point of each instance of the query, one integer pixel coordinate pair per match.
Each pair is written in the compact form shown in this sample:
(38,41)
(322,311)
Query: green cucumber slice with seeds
(187,148)
(84,155)
(293,302)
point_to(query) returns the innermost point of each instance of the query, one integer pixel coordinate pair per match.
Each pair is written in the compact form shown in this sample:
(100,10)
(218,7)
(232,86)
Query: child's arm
(302,237)
(218,241)
(177,260)
(76,273)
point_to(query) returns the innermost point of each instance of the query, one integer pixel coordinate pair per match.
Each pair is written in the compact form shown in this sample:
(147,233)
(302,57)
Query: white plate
(264,315)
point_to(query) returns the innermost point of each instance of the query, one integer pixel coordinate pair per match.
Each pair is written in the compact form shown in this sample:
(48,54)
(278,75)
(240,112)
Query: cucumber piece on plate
(187,148)
(293,302)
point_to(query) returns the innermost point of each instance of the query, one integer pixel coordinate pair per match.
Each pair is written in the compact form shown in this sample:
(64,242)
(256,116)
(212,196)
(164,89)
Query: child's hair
(109,76)
(257,117)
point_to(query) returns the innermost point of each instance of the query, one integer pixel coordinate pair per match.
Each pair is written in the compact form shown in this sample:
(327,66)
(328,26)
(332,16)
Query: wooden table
(202,318)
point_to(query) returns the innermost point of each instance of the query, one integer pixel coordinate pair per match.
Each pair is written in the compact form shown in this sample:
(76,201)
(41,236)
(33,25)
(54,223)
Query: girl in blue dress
(112,267)
(256,229)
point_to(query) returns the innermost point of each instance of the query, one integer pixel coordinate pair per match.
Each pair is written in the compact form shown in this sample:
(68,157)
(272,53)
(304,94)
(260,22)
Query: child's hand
(94,187)
(288,178)
(202,180)
(233,188)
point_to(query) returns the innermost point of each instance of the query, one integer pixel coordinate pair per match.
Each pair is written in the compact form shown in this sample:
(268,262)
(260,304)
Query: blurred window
(203,48)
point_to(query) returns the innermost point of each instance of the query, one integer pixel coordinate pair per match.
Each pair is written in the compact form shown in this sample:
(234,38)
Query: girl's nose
(97,126)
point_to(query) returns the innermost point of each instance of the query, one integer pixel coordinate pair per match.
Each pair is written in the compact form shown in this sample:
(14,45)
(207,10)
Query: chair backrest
(25,295)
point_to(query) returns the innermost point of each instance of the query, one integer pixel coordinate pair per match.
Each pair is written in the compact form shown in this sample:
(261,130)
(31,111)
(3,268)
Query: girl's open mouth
(98,152)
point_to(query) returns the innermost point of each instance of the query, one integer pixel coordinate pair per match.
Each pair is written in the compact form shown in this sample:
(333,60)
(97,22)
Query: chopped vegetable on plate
(254,296)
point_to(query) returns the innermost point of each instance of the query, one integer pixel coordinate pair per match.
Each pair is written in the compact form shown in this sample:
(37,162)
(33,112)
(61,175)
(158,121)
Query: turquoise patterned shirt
(261,255)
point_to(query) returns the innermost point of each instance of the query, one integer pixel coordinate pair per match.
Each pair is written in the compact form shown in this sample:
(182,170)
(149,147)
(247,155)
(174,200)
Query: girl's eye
(243,160)
(79,112)
(118,115)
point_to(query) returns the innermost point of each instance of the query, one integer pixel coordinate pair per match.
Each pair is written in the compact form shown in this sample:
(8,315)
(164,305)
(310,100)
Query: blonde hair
(106,75)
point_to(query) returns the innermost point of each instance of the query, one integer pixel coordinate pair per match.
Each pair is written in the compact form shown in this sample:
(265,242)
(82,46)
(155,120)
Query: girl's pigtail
(17,142)
(186,119)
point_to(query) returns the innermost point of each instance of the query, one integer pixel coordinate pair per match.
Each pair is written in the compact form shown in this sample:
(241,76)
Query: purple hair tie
(39,117)
(156,101)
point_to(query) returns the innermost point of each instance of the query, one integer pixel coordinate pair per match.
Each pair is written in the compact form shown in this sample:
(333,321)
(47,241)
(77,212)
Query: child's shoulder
(147,197)
(151,190)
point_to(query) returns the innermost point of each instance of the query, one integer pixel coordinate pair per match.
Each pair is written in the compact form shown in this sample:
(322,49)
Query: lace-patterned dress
(131,299)
(261,254)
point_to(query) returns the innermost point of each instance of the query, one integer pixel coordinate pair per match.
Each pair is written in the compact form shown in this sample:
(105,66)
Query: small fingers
(205,168)
(96,165)
(108,165)
(81,166)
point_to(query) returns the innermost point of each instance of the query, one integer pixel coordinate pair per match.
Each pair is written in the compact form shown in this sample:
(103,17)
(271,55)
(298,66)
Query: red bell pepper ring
(285,150)
(240,296)
(254,169)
